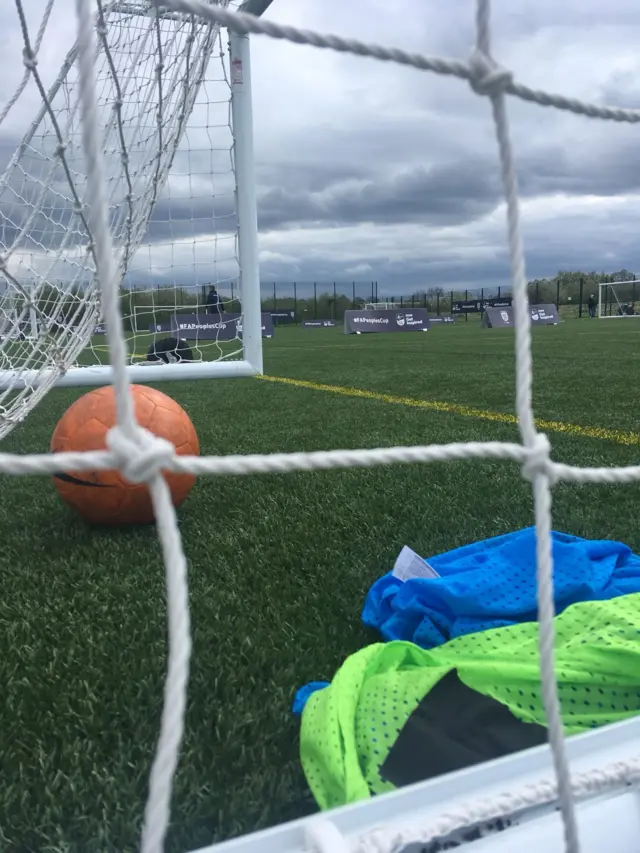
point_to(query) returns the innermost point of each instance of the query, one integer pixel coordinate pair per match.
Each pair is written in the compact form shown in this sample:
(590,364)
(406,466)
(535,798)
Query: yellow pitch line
(602,433)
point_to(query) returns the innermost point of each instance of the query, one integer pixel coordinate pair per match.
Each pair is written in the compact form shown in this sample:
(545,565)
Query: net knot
(487,76)
(28,59)
(142,456)
(538,460)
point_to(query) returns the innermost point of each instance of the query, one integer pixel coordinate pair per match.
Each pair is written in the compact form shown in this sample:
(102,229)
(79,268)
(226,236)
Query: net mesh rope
(141,456)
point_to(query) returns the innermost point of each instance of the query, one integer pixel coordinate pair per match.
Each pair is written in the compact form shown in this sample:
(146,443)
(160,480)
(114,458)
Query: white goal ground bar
(138,373)
(423,805)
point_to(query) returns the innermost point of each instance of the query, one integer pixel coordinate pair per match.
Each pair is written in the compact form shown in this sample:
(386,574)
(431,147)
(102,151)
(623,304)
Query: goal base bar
(609,821)
(138,373)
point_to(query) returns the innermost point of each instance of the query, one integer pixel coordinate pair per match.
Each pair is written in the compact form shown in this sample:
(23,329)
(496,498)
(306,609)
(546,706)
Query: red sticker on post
(236,71)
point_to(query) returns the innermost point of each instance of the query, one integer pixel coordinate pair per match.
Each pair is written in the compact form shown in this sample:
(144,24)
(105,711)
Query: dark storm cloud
(310,177)
(574,15)
(343,142)
(446,194)
(28,200)
(442,194)
(576,169)
(454,273)
(455,193)
(424,155)
(179,219)
(622,89)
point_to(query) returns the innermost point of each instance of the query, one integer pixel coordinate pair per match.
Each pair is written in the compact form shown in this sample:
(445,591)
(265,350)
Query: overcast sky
(370,171)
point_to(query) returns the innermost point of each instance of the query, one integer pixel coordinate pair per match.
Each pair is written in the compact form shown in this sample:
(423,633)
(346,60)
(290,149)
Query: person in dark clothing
(214,303)
(591,305)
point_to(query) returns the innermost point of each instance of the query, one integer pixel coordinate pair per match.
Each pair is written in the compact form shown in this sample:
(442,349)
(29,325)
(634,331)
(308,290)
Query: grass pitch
(279,568)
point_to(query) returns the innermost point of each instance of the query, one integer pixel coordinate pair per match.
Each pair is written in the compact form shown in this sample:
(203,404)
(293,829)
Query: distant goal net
(174,113)
(618,299)
(380,306)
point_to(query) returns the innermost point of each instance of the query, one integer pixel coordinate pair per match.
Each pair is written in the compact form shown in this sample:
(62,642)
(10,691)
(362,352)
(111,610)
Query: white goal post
(617,299)
(178,140)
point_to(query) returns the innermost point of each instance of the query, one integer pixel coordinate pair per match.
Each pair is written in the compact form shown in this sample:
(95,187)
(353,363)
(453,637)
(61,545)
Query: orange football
(106,497)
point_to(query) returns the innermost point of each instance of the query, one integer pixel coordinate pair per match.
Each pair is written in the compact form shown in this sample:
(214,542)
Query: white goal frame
(251,364)
(602,303)
(381,306)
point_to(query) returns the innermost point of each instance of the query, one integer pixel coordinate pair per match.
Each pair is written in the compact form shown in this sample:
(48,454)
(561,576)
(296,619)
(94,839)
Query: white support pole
(600,301)
(33,322)
(242,120)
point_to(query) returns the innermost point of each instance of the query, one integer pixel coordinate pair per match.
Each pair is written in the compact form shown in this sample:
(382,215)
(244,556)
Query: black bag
(170,350)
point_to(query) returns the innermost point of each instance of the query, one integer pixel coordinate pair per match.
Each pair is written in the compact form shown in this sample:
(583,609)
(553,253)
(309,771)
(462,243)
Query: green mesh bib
(349,727)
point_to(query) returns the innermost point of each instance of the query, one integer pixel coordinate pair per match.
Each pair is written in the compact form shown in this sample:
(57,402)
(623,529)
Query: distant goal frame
(602,304)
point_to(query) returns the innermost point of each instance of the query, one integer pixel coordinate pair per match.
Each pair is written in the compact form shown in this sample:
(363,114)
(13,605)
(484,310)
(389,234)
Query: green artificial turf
(279,566)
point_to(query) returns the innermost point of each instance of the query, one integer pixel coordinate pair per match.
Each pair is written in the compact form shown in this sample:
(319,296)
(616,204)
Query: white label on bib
(411,565)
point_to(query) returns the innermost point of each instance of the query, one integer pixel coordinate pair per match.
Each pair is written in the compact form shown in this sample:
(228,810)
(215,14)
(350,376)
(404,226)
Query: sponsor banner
(214,327)
(280,317)
(476,306)
(541,315)
(496,317)
(472,307)
(385,320)
(441,320)
(544,315)
(100,329)
(319,324)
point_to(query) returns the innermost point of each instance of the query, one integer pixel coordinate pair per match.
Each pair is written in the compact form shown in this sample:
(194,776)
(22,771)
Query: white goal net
(167,97)
(56,240)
